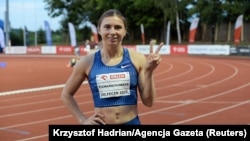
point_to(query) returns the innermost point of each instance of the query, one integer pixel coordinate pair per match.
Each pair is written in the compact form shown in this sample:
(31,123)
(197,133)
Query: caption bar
(142,132)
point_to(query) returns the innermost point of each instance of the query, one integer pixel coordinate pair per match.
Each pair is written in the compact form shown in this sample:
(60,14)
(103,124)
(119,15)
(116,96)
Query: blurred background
(165,20)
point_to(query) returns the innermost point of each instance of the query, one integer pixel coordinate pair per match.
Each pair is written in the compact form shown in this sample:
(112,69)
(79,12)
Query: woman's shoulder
(85,63)
(135,54)
(137,58)
(89,56)
(85,60)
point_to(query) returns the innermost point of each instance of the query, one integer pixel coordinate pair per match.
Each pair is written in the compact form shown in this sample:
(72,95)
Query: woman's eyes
(115,27)
(107,26)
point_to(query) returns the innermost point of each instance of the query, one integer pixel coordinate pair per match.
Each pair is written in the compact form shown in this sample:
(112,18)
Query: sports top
(113,85)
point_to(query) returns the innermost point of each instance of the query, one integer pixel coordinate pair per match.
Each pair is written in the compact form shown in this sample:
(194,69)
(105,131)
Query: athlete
(117,77)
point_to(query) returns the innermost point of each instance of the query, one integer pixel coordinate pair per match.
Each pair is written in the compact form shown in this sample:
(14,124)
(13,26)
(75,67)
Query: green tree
(16,37)
(153,14)
(41,38)
(79,11)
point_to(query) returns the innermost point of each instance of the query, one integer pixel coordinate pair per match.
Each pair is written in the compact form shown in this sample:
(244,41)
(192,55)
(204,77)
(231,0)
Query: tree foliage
(153,14)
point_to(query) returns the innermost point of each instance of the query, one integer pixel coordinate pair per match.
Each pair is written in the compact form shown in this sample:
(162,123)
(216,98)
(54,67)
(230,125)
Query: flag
(94,33)
(237,29)
(25,36)
(142,34)
(192,30)
(72,34)
(168,33)
(2,37)
(2,24)
(48,33)
(93,30)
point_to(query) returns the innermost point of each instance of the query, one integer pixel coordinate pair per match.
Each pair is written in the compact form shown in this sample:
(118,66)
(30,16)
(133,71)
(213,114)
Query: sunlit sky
(29,13)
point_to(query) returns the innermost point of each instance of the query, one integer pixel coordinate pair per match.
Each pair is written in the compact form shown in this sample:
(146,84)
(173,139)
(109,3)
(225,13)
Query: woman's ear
(124,34)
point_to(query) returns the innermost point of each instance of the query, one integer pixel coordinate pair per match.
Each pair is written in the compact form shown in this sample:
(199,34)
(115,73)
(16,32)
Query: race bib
(113,84)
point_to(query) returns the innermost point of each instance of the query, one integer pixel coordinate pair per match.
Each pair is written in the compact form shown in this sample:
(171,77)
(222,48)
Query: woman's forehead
(112,20)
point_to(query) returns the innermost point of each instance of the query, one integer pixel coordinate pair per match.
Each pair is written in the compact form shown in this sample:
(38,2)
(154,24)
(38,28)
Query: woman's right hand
(95,119)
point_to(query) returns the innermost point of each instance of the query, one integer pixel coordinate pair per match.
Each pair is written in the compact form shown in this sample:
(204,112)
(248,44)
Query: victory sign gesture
(153,58)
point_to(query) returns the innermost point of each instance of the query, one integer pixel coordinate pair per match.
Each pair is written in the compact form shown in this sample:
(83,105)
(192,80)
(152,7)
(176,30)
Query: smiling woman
(114,74)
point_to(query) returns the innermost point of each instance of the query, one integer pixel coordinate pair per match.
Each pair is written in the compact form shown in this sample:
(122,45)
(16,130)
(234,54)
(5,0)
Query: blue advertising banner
(2,37)
(2,24)
(48,33)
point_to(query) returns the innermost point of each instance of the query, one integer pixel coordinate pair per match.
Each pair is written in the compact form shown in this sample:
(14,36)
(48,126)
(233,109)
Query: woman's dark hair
(112,12)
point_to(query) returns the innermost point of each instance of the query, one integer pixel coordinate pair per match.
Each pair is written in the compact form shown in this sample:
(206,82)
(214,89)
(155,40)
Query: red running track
(190,90)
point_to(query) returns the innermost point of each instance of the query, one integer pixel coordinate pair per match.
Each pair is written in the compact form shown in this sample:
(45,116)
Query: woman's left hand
(154,58)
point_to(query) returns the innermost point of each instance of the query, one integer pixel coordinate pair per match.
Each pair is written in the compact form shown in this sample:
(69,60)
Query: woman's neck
(112,52)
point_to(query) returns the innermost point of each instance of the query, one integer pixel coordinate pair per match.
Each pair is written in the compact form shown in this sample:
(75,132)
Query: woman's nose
(112,30)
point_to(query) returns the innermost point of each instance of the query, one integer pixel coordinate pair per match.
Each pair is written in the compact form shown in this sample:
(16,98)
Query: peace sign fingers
(152,43)
(159,48)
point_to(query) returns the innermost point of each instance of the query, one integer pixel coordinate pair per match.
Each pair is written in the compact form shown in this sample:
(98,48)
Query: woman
(114,74)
